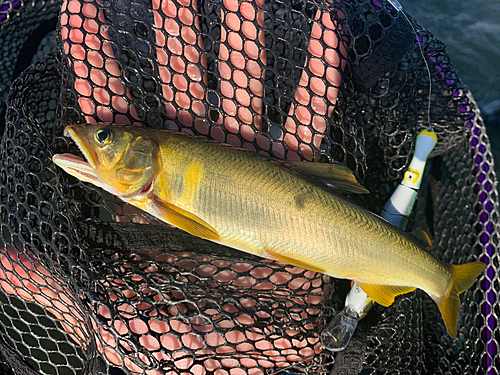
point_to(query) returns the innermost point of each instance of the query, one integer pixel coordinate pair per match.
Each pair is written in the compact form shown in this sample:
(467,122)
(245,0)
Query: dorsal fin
(335,176)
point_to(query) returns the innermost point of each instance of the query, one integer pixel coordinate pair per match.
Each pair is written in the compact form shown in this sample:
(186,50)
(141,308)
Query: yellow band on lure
(429,133)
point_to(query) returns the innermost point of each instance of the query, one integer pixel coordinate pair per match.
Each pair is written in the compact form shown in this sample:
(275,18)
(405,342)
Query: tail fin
(463,277)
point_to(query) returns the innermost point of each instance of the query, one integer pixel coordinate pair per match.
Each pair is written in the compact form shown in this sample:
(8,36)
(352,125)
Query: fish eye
(103,136)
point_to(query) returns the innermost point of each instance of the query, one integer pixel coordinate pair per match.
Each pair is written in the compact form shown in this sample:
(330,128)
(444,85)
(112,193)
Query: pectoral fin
(292,261)
(335,176)
(384,294)
(185,220)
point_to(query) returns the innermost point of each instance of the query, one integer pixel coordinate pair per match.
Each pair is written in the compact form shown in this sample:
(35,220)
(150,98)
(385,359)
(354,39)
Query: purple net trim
(484,207)
(486,227)
(6,7)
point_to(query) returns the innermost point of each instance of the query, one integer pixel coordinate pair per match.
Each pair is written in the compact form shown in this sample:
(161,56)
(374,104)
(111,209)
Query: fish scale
(265,207)
(276,191)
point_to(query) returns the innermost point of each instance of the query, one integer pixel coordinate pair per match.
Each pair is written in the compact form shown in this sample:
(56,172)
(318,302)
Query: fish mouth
(77,167)
(73,132)
(74,165)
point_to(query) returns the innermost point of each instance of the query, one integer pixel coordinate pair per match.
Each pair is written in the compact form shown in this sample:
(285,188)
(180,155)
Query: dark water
(471,32)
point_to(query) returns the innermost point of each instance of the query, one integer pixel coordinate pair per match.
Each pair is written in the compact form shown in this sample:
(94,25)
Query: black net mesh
(89,285)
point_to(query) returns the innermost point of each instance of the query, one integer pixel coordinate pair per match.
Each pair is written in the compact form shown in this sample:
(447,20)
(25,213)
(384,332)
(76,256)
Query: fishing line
(399,8)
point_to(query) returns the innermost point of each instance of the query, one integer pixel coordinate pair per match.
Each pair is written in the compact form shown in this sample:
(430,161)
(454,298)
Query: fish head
(120,159)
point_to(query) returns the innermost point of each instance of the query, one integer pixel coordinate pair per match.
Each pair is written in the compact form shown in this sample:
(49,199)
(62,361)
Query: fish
(292,212)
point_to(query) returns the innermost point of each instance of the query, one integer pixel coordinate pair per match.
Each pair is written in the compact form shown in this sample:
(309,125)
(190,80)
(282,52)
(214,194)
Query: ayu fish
(266,207)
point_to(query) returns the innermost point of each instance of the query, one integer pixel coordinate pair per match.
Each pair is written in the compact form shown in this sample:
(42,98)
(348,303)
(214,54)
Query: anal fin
(292,261)
(384,294)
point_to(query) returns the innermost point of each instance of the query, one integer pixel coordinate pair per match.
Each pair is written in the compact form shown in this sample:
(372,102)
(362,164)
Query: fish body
(265,207)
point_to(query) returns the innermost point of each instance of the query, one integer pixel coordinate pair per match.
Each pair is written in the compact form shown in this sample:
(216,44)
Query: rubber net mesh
(88,285)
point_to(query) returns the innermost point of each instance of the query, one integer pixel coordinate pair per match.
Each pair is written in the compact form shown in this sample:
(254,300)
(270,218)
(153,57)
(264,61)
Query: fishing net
(90,285)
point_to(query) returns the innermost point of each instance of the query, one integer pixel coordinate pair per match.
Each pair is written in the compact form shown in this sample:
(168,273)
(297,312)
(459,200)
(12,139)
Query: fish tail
(463,277)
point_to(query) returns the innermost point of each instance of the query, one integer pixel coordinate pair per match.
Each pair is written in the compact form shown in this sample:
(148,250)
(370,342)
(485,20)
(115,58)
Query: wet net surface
(87,287)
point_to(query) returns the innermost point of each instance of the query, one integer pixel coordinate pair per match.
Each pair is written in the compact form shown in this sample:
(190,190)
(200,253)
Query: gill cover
(124,159)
